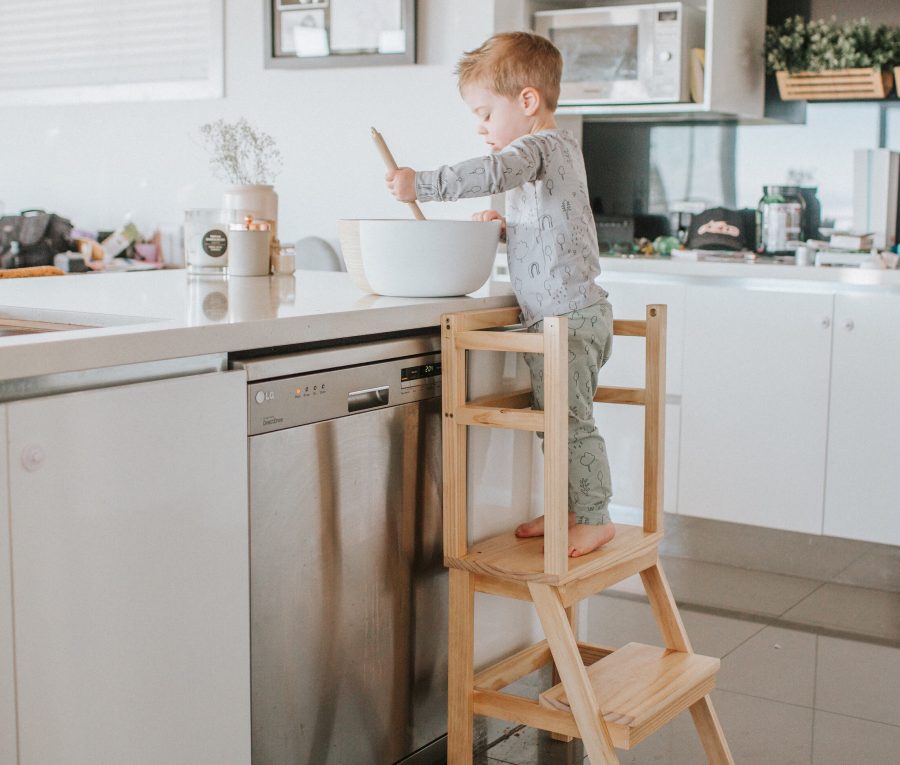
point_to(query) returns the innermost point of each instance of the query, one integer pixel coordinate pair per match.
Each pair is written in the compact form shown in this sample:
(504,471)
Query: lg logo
(265,395)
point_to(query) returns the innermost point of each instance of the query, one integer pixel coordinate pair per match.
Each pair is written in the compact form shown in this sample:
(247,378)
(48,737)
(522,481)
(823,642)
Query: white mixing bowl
(419,258)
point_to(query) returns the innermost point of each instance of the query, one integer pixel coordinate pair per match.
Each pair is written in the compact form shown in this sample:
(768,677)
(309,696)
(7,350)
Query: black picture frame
(277,57)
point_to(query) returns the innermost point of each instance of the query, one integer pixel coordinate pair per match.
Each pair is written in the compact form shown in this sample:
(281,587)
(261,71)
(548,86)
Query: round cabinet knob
(826,323)
(32,457)
(849,325)
(665,55)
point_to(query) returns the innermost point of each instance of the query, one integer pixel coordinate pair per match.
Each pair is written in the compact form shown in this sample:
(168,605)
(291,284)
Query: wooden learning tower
(607,697)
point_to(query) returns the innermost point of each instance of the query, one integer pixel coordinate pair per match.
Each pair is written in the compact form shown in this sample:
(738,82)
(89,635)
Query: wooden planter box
(836,85)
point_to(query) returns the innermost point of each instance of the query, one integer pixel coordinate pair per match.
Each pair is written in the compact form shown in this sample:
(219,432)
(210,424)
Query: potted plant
(830,60)
(249,160)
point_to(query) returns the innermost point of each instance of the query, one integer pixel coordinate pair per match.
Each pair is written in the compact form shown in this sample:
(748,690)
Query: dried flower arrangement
(240,152)
(796,45)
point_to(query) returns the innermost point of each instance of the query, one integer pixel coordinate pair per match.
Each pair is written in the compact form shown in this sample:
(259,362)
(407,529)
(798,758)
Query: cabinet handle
(32,457)
(849,325)
(826,323)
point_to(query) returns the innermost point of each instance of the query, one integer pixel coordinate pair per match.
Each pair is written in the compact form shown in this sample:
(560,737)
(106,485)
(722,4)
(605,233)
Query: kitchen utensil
(391,164)
(405,258)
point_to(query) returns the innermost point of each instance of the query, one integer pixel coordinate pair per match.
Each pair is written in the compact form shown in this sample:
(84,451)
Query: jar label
(215,243)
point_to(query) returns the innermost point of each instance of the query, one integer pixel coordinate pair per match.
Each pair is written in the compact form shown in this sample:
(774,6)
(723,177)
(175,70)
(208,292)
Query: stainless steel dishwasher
(348,593)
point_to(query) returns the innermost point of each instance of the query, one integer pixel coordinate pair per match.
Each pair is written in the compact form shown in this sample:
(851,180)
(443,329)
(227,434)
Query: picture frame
(311,34)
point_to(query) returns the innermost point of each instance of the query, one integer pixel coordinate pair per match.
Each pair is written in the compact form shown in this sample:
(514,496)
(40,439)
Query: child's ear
(530,101)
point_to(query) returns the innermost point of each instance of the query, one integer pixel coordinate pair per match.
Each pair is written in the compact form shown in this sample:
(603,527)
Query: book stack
(852,242)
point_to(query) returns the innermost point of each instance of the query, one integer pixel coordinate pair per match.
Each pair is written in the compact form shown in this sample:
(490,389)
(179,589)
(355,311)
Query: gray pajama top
(550,231)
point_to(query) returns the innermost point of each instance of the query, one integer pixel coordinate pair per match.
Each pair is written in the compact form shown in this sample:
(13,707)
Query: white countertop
(833,278)
(155,315)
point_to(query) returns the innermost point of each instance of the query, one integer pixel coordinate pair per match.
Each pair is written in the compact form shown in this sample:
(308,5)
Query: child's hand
(489,215)
(402,183)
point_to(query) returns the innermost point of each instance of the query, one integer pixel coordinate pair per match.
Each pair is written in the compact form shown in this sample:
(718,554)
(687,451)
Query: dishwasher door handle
(358,400)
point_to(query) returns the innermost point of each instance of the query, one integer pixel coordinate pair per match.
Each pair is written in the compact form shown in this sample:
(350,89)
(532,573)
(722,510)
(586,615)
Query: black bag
(32,238)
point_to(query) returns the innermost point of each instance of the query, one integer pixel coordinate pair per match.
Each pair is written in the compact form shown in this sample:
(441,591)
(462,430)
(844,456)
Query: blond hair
(510,61)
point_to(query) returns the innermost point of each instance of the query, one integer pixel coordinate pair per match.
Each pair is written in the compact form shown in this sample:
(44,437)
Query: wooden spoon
(391,164)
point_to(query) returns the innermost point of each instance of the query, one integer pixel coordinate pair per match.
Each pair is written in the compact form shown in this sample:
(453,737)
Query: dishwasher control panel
(287,402)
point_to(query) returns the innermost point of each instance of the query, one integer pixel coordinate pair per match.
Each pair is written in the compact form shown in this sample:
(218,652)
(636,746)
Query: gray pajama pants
(590,345)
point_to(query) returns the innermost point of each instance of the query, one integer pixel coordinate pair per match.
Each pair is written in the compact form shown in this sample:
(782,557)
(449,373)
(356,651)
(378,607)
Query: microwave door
(600,62)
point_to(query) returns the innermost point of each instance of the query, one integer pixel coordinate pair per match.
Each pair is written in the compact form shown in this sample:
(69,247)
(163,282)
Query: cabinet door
(7,667)
(629,300)
(864,420)
(130,570)
(623,426)
(754,406)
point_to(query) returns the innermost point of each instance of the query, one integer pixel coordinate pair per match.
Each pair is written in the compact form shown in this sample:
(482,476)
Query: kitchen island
(124,528)
(151,316)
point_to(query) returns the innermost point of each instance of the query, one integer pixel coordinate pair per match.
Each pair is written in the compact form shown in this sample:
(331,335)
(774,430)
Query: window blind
(55,51)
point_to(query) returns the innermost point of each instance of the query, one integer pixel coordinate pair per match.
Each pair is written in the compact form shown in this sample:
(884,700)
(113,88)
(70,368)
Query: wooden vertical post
(556,460)
(453,392)
(654,417)
(460,668)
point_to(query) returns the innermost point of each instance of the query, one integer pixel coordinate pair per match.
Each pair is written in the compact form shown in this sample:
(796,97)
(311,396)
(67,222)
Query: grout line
(512,732)
(767,620)
(797,603)
(834,579)
(804,706)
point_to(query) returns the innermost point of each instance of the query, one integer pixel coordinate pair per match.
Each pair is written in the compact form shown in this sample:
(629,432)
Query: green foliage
(796,45)
(240,152)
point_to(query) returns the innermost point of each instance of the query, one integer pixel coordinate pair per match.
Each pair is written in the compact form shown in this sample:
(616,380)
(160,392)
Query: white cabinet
(7,666)
(754,406)
(623,426)
(130,574)
(864,420)
(630,298)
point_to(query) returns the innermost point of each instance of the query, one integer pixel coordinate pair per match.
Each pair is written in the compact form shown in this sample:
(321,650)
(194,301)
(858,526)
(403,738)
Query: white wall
(97,164)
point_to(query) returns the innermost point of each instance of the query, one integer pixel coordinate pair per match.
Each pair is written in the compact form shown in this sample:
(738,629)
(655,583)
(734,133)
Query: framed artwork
(304,34)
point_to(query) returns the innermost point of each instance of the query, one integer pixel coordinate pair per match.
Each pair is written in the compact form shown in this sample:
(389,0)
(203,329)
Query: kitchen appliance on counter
(625,54)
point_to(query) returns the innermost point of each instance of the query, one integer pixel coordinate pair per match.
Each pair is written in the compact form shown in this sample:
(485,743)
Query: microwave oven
(624,54)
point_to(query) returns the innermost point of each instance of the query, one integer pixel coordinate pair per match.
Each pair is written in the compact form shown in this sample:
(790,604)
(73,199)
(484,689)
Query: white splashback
(98,163)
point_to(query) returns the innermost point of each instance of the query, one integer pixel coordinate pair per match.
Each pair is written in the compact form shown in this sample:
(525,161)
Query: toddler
(511,83)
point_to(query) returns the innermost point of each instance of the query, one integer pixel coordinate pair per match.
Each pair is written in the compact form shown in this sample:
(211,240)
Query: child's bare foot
(535,528)
(584,539)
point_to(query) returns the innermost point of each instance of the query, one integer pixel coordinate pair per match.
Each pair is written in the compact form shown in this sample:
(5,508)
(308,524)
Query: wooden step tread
(642,687)
(505,556)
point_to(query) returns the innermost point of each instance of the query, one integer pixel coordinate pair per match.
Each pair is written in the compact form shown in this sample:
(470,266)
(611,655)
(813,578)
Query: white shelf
(735,82)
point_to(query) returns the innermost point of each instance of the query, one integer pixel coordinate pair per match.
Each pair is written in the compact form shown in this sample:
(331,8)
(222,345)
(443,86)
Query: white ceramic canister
(256,199)
(249,248)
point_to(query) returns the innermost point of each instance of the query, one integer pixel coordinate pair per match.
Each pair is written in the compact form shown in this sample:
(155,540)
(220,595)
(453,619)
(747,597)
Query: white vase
(256,199)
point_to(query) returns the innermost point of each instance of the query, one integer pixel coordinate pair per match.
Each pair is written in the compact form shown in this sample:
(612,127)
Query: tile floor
(808,631)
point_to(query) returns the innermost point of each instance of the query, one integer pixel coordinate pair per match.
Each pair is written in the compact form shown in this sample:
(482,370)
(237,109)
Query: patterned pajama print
(590,344)
(553,265)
